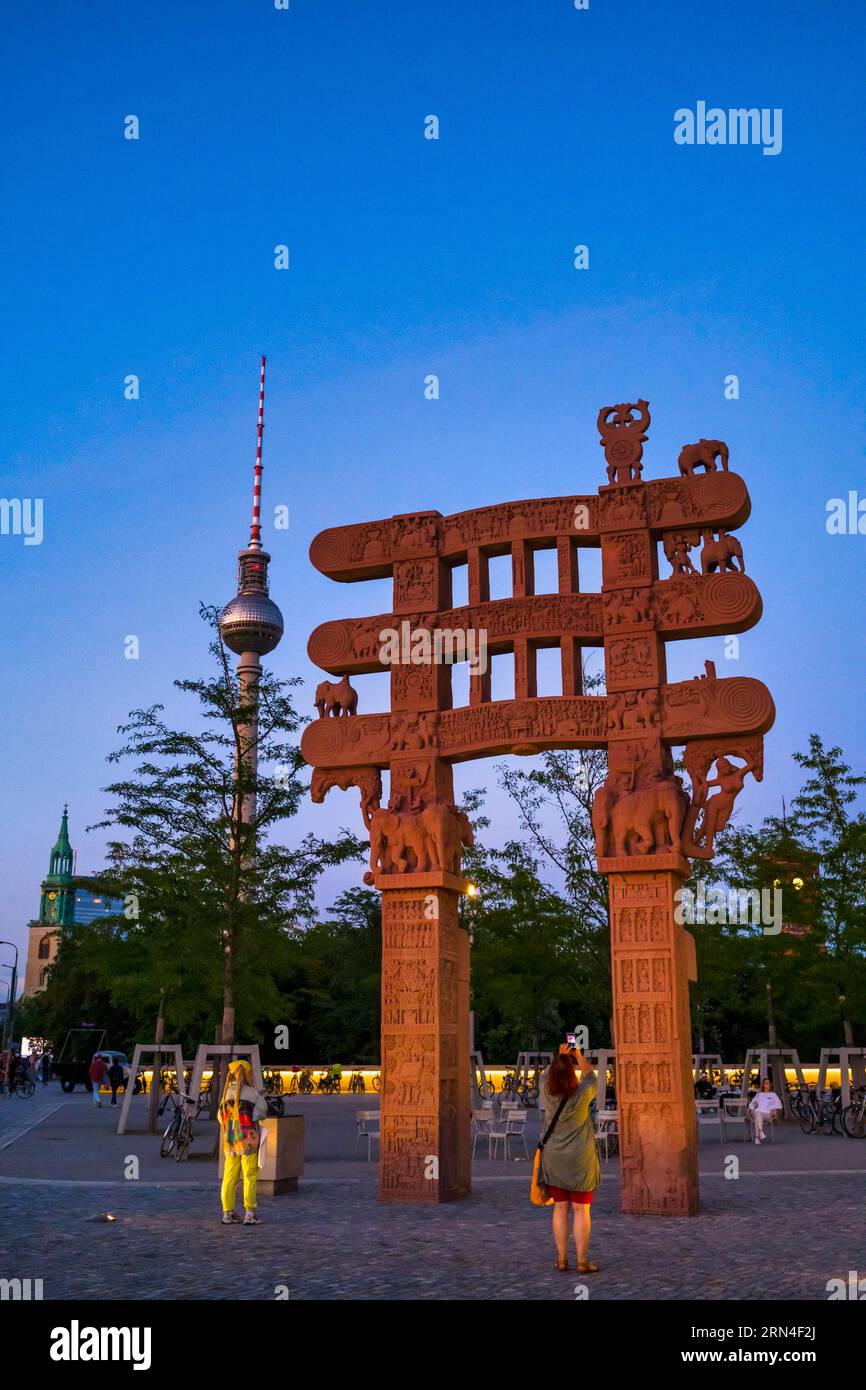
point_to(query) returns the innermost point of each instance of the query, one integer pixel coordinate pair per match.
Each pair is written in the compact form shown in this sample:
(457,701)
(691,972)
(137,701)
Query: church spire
(61,855)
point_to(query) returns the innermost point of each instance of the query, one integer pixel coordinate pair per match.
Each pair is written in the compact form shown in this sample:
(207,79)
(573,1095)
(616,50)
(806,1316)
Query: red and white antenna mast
(256,528)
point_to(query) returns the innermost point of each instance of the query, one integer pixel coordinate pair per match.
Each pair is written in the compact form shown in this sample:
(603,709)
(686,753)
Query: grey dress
(569,1159)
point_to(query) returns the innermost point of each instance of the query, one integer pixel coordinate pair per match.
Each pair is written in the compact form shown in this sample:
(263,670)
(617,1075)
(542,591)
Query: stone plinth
(282,1163)
(425,1102)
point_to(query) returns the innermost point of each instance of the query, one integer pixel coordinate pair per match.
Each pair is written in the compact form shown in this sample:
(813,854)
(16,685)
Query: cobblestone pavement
(791,1221)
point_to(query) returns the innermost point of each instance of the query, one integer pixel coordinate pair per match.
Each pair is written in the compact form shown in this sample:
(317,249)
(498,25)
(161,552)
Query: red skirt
(562,1194)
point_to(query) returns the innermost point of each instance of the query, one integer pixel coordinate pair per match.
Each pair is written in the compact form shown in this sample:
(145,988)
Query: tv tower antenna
(256,528)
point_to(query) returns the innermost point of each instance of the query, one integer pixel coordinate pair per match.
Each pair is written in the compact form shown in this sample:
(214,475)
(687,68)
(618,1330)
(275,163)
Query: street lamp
(10,1016)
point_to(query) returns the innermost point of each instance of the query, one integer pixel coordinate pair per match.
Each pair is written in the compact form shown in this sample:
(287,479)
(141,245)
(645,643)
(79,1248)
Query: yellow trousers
(235,1164)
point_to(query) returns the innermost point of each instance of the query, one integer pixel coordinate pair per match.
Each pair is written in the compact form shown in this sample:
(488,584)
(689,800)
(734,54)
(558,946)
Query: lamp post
(8,991)
(10,1016)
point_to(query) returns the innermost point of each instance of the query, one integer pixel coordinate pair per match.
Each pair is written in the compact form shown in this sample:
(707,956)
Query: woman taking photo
(569,1159)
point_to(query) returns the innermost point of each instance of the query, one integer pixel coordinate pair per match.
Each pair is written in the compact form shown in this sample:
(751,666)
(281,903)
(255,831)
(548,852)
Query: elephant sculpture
(430,840)
(336,698)
(719,554)
(702,455)
(639,822)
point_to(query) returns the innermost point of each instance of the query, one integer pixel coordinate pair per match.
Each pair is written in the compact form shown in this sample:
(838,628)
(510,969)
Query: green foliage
(213,897)
(539,966)
(79,992)
(335,983)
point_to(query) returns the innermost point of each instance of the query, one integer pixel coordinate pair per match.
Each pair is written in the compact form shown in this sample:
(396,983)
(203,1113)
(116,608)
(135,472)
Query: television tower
(250,625)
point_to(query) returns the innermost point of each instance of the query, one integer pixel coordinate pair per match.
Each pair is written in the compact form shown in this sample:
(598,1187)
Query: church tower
(56,909)
(65,898)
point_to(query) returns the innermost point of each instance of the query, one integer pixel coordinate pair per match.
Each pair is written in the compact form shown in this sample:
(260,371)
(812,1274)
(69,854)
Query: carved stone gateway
(646,823)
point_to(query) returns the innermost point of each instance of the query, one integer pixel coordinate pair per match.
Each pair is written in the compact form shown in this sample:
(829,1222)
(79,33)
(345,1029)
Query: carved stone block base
(425,1104)
(627,863)
(652,961)
(437,878)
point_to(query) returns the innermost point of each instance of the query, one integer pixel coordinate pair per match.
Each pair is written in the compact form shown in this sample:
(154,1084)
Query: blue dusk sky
(408,257)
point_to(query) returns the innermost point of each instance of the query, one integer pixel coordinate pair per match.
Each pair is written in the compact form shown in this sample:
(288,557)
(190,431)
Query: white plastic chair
(734,1112)
(606,1129)
(512,1126)
(483,1121)
(367,1122)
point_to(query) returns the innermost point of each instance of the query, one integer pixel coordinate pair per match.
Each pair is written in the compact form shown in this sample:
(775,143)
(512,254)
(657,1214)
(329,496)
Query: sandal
(561,1267)
(587,1268)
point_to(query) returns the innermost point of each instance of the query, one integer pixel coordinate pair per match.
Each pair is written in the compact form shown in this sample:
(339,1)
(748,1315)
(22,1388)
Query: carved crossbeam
(372,549)
(710,605)
(689,709)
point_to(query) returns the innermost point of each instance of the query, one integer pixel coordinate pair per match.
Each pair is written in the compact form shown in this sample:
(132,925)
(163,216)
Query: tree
(212,897)
(822,818)
(78,992)
(809,979)
(335,982)
(534,970)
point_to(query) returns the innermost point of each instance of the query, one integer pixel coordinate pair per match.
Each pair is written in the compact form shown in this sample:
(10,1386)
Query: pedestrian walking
(568,1163)
(240,1110)
(115,1079)
(97,1074)
(45,1067)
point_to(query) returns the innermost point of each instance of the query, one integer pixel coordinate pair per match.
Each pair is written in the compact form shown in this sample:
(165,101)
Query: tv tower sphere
(251,622)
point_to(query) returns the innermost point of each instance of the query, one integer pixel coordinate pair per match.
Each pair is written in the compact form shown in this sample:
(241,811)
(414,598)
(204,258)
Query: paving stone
(791,1221)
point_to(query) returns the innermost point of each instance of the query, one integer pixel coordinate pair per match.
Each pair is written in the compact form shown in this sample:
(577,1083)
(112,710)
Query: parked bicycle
(357,1084)
(854,1115)
(301,1083)
(377,1081)
(820,1115)
(23,1086)
(178,1135)
(328,1085)
(527,1090)
(272,1078)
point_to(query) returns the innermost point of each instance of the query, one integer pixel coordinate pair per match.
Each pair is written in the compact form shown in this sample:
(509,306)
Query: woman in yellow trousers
(240,1110)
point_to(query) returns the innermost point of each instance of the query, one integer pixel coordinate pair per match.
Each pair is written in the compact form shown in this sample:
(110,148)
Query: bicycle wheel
(276,1105)
(377,1081)
(854,1121)
(169,1139)
(491,1086)
(807,1120)
(184,1139)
